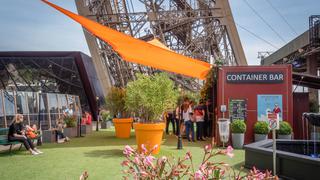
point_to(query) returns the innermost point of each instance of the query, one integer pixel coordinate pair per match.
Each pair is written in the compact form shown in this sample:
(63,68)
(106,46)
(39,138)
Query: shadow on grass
(172,141)
(101,138)
(110,153)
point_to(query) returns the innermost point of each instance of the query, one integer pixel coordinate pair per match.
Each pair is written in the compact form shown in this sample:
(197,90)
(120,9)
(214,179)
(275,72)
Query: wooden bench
(4,139)
(5,142)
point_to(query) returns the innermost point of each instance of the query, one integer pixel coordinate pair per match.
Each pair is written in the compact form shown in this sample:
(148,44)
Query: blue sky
(27,25)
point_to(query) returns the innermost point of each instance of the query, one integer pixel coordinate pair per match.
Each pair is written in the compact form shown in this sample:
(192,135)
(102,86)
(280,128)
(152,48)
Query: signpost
(273,122)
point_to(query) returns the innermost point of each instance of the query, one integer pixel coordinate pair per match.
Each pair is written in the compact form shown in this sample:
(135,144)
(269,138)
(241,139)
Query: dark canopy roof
(306,80)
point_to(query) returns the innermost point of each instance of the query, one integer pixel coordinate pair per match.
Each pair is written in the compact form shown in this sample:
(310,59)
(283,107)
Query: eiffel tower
(201,29)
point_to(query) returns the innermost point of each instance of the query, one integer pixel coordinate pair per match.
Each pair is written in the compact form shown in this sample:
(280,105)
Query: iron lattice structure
(196,28)
(314,30)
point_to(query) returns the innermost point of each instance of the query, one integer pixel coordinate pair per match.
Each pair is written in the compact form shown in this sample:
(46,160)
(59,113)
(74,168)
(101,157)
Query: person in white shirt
(187,115)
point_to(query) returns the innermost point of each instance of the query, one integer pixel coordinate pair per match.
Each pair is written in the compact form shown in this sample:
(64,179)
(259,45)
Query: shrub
(149,96)
(115,102)
(261,127)
(144,166)
(285,128)
(106,116)
(70,121)
(238,126)
(192,96)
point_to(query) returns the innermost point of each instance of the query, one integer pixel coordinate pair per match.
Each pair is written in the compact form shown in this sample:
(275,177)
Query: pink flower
(198,175)
(208,148)
(128,151)
(125,163)
(149,161)
(144,149)
(154,147)
(188,155)
(175,173)
(143,174)
(260,176)
(136,160)
(163,159)
(202,167)
(229,151)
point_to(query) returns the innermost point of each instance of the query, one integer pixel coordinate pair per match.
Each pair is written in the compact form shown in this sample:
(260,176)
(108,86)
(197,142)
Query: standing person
(17,133)
(186,115)
(206,123)
(209,113)
(178,119)
(68,111)
(170,119)
(199,116)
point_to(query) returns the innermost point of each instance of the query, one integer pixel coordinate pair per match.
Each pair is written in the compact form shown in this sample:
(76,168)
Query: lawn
(100,153)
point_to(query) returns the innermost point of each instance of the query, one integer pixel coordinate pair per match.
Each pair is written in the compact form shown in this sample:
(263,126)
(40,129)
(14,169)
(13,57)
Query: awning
(140,52)
(156,42)
(306,80)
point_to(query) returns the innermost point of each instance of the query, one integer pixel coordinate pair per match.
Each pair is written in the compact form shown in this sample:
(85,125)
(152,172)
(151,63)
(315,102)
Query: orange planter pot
(149,135)
(123,127)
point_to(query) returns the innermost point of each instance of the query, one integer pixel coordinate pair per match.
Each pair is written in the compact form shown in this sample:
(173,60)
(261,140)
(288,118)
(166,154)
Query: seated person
(88,118)
(83,119)
(32,132)
(17,133)
(59,131)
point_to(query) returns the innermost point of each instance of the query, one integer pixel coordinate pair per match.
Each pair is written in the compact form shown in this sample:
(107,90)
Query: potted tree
(261,131)
(106,119)
(115,103)
(238,128)
(285,130)
(71,129)
(148,97)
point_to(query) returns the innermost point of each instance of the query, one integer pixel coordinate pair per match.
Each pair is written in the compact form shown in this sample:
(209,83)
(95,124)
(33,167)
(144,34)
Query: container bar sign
(255,77)
(273,121)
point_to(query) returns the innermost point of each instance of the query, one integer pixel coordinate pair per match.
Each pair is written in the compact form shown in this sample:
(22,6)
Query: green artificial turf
(100,153)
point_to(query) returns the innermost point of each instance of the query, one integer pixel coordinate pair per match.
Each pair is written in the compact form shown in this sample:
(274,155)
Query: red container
(247,82)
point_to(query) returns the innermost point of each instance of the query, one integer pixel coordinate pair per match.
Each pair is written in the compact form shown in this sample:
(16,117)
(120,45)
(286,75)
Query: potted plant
(285,130)
(106,119)
(71,129)
(115,103)
(238,128)
(148,97)
(261,131)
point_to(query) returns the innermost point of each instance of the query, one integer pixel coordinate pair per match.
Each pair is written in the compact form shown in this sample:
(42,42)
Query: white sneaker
(38,151)
(34,152)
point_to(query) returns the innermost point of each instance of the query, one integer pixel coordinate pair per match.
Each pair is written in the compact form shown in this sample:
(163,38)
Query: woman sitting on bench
(17,133)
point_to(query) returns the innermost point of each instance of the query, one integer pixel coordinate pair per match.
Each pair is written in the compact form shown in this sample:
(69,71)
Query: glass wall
(9,106)
(2,122)
(33,107)
(22,106)
(52,107)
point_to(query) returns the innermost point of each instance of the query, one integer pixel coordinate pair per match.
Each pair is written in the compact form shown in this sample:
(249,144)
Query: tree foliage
(149,96)
(115,101)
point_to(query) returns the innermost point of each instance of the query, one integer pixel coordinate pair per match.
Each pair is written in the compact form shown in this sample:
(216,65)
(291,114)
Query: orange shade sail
(140,52)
